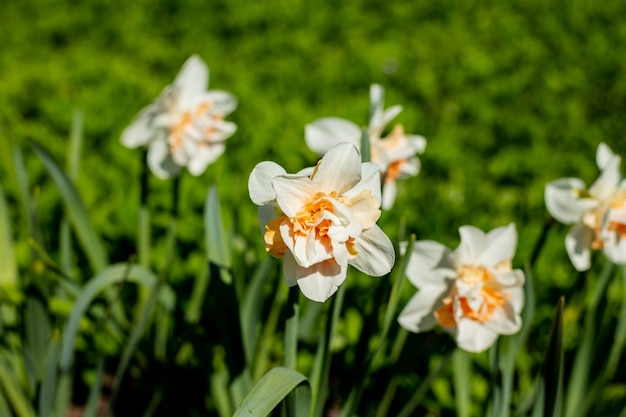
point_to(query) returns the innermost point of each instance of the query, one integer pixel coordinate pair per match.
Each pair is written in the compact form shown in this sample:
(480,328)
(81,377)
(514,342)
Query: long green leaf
(552,371)
(218,246)
(91,408)
(76,212)
(462,364)
(251,306)
(49,383)
(110,276)
(579,377)
(72,166)
(270,391)
(19,403)
(8,268)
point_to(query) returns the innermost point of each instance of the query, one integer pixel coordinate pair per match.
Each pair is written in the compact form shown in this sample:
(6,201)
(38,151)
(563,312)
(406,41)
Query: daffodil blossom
(323,219)
(472,292)
(598,213)
(395,154)
(184,126)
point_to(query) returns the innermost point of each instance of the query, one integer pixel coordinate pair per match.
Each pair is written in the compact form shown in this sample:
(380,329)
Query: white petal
(205,155)
(377,117)
(504,320)
(390,113)
(370,180)
(499,246)
(323,134)
(292,193)
(604,155)
(321,280)
(473,241)
(260,182)
(390,191)
(563,201)
(222,102)
(376,255)
(339,170)
(472,336)
(430,264)
(221,131)
(417,315)
(418,142)
(141,129)
(577,244)
(608,181)
(160,160)
(192,80)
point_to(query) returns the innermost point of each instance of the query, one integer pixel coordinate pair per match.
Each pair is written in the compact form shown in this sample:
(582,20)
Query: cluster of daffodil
(323,218)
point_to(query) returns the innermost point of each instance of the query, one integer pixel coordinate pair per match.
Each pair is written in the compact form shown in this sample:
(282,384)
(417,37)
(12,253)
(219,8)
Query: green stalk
(390,314)
(417,397)
(321,367)
(291,345)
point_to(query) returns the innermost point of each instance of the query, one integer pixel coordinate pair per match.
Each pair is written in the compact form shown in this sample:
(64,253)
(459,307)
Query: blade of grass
(91,408)
(20,404)
(49,383)
(579,377)
(355,395)
(76,212)
(72,167)
(321,365)
(136,334)
(552,368)
(251,306)
(462,366)
(270,391)
(218,246)
(109,277)
(415,400)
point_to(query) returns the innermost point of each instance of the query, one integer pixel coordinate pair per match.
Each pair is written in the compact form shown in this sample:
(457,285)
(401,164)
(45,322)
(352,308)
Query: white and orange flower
(598,213)
(184,126)
(395,154)
(323,219)
(472,292)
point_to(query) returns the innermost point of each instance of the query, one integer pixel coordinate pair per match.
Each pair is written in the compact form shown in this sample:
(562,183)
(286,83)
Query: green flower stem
(390,314)
(321,367)
(417,397)
(143,238)
(462,379)
(291,345)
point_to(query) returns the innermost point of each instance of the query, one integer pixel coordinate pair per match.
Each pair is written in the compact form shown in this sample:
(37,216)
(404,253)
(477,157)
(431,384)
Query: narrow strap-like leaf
(271,390)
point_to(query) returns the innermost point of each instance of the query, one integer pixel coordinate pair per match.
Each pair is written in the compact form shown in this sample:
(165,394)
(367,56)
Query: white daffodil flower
(184,126)
(472,292)
(395,154)
(323,219)
(598,213)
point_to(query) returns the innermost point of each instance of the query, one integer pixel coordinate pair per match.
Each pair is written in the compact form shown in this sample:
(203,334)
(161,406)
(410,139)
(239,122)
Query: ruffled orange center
(310,219)
(186,119)
(491,297)
(618,203)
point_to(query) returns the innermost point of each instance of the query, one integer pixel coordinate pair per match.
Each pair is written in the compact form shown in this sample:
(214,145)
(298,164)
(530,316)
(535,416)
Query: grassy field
(509,95)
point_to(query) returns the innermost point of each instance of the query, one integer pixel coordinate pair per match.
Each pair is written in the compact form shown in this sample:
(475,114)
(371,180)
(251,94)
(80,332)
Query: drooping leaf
(76,212)
(271,390)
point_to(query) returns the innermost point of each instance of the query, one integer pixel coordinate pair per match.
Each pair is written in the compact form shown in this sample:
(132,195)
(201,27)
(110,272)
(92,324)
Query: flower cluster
(395,155)
(598,213)
(323,219)
(184,126)
(472,292)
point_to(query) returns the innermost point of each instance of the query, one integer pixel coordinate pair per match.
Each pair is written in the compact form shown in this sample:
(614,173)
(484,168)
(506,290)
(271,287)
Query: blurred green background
(509,95)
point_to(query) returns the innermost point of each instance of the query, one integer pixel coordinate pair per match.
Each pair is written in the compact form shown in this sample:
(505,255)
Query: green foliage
(509,95)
